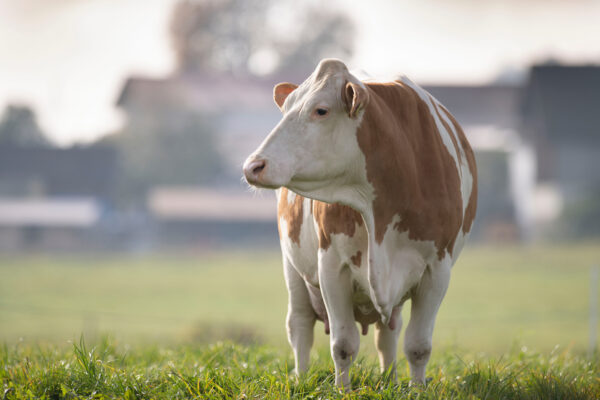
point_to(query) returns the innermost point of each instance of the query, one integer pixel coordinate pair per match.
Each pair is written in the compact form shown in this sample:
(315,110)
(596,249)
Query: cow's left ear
(355,97)
(281,91)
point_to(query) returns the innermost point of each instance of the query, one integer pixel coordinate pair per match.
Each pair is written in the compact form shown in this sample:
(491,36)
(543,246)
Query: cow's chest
(350,254)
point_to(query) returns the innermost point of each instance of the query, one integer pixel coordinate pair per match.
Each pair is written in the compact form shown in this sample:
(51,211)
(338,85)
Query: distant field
(500,298)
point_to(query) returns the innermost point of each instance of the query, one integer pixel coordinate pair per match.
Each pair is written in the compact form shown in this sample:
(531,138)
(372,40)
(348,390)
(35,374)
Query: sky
(69,59)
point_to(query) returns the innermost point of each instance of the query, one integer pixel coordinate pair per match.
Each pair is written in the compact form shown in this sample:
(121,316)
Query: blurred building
(203,218)
(560,118)
(239,110)
(54,172)
(54,198)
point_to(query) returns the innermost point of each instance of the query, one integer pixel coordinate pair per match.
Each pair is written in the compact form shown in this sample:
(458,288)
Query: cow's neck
(357,196)
(350,188)
(379,139)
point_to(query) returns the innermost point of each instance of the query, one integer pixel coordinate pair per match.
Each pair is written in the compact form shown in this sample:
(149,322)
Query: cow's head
(314,145)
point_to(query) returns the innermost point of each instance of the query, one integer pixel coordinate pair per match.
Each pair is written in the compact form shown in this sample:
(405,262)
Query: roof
(190,203)
(54,212)
(562,102)
(206,93)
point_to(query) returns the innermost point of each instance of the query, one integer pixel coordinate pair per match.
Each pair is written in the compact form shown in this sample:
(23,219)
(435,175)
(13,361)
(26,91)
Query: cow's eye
(321,112)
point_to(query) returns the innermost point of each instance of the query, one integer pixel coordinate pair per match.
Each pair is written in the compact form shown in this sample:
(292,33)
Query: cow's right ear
(281,92)
(355,97)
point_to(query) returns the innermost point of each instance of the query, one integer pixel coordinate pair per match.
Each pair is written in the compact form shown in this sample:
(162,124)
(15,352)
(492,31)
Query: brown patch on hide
(334,218)
(292,213)
(357,258)
(412,173)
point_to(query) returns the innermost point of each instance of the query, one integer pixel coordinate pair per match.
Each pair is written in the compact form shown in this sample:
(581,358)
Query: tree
(324,35)
(225,35)
(18,127)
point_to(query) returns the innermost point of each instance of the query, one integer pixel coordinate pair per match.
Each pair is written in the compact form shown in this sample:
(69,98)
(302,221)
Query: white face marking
(314,145)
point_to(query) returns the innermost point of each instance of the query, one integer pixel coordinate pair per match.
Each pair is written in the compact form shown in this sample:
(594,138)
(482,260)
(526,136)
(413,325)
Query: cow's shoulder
(334,218)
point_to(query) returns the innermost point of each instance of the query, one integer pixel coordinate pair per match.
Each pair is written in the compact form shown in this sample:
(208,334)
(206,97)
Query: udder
(364,311)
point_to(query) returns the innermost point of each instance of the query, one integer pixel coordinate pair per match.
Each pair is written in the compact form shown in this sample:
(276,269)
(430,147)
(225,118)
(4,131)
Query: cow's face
(314,144)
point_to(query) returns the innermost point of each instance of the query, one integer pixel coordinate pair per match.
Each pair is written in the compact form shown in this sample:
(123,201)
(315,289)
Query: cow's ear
(281,92)
(355,97)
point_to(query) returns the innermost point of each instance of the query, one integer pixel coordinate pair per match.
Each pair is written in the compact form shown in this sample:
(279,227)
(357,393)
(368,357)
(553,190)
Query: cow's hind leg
(336,288)
(386,342)
(300,317)
(425,303)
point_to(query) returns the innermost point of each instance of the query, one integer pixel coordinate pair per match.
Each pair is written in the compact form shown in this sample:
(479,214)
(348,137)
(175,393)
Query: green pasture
(103,370)
(500,299)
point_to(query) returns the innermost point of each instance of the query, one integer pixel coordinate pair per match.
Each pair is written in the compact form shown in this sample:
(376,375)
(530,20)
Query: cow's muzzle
(253,170)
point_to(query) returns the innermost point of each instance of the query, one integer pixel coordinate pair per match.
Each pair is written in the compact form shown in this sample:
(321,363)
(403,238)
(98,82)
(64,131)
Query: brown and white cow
(377,192)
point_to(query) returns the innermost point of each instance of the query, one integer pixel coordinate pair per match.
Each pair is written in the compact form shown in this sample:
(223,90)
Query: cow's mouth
(262,185)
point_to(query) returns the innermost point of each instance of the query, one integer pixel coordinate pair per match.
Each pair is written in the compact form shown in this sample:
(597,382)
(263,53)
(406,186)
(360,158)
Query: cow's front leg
(300,317)
(425,303)
(386,342)
(336,289)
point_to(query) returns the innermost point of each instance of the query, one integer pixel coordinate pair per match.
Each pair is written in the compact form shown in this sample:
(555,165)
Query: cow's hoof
(423,384)
(295,376)
(345,389)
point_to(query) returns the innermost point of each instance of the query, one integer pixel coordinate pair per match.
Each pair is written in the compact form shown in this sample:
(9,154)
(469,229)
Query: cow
(377,191)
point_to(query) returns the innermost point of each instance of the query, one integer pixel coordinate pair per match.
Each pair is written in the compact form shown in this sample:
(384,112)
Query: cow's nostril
(254,169)
(258,168)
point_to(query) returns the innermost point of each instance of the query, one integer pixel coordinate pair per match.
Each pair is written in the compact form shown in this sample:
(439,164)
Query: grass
(155,298)
(228,371)
(514,325)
